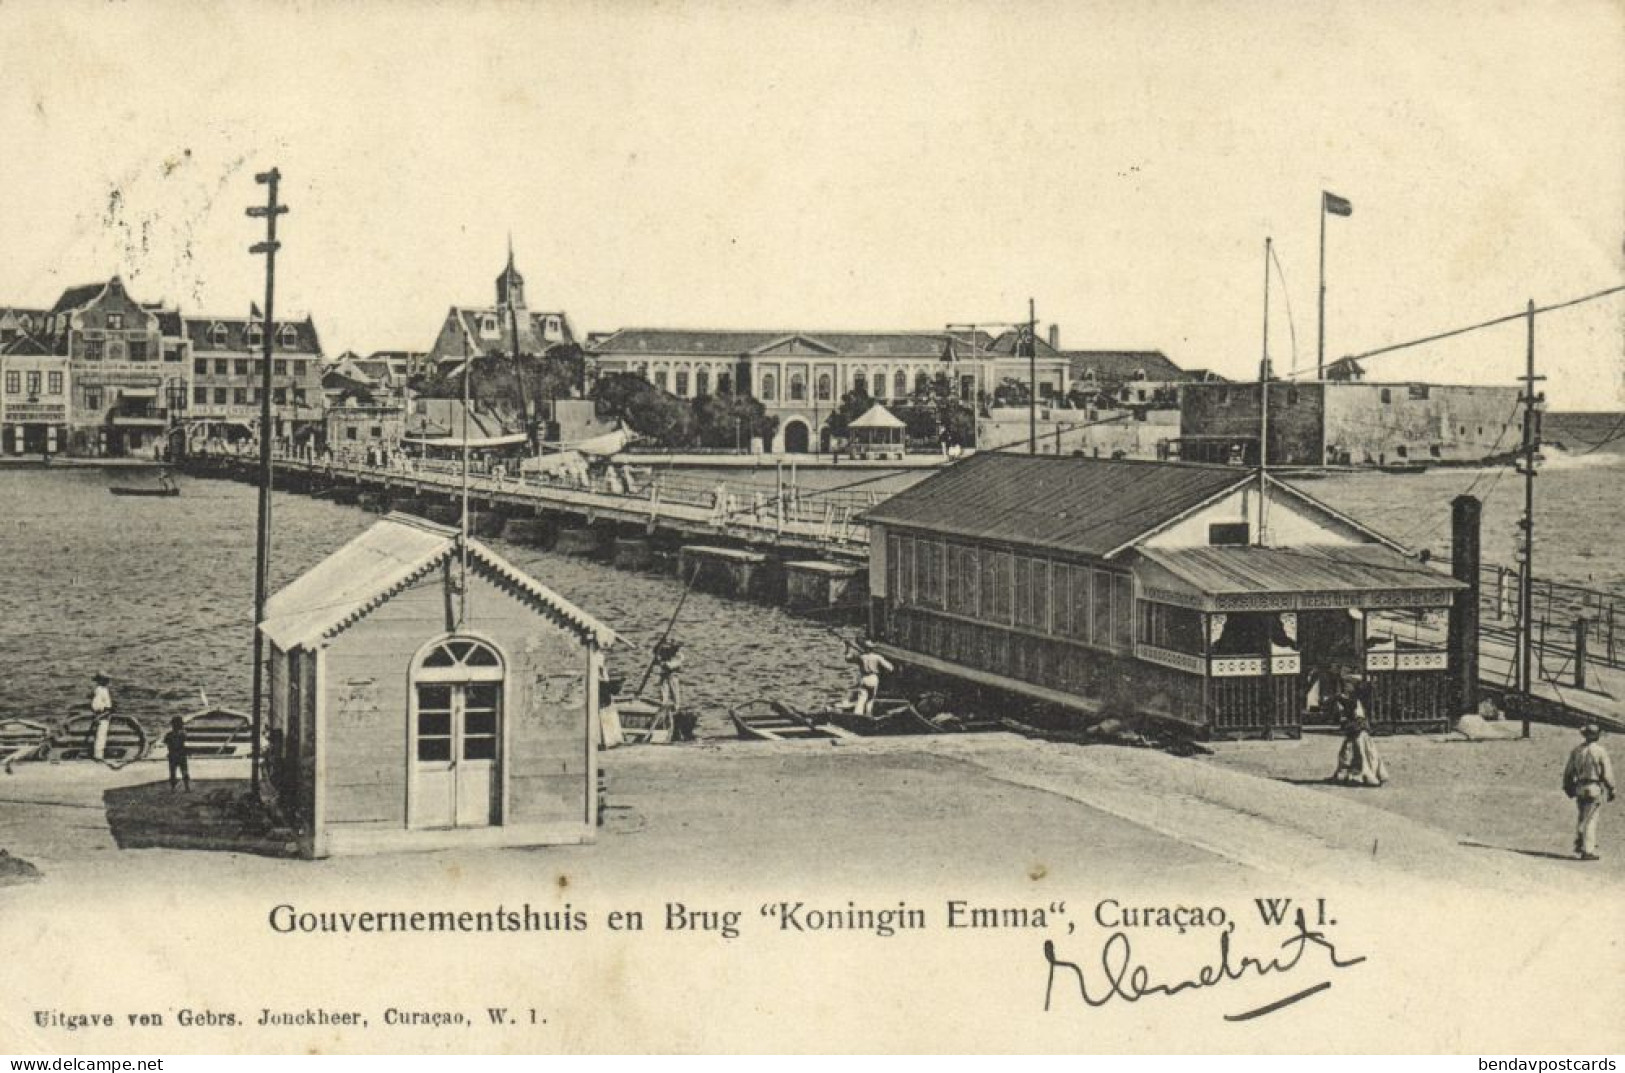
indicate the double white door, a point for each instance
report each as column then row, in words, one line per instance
column 457, row 755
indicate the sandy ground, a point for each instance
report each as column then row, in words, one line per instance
column 1496, row 797
column 985, row 808
column 147, row 893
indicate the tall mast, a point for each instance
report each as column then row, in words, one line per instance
column 1264, row 407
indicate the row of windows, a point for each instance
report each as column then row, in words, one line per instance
column 242, row 396
column 1000, row 586
column 678, row 383
column 248, row 366
column 287, row 337
column 490, row 327
column 122, row 350
column 14, row 382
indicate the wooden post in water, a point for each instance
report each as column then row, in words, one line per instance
column 1465, row 514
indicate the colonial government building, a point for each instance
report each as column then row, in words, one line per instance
column 800, row 376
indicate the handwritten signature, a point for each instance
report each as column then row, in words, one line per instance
column 1122, row 979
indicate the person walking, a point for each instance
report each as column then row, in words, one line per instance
column 175, row 743
column 1588, row 779
column 871, row 665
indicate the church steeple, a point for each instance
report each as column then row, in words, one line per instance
column 511, row 285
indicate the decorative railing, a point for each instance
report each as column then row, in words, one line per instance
column 1406, row 660
column 1238, row 667
column 1167, row 657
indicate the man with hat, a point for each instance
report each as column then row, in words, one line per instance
column 101, row 710
column 1588, row 778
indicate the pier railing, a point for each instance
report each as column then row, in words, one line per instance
column 744, row 509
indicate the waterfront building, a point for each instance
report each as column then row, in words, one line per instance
column 415, row 708
column 801, row 376
column 227, row 363
column 389, row 371
column 35, row 388
column 474, row 331
column 343, row 382
column 1174, row 590
column 128, row 366
column 1349, row 422
column 354, row 427
column 1128, row 377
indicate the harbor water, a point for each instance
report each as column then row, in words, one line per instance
column 158, row 593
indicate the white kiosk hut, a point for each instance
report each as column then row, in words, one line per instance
column 412, row 707
column 877, row 434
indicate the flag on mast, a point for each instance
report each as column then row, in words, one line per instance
column 1337, row 206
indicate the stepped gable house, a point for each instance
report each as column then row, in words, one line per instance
column 473, row 331
column 128, row 367
column 1177, row 590
column 410, row 710
column 801, row 376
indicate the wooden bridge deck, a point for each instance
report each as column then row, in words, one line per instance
column 809, row 521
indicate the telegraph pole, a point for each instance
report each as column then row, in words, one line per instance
column 1532, row 404
column 269, row 211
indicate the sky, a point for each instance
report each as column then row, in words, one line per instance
column 812, row 166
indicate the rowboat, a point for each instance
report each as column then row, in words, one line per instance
column 74, row 739
column 886, row 715
column 771, row 720
column 125, row 490
column 642, row 723
column 22, row 739
column 212, row 733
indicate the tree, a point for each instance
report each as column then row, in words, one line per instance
column 723, row 421
column 937, row 415
column 646, row 409
column 513, row 386
column 1011, row 392
column 854, row 404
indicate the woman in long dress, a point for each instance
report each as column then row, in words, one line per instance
column 1357, row 761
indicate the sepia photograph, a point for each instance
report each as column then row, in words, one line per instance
column 703, row 526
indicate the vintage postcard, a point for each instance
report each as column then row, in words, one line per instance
column 812, row 527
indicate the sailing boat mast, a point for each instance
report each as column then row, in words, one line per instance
column 1264, row 408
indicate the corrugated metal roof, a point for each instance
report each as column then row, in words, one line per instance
column 1086, row 505
column 1229, row 570
column 379, row 563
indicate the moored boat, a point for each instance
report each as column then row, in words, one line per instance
column 212, row 734
column 886, row 715
column 771, row 720
column 22, row 739
column 74, row 739
column 126, row 490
